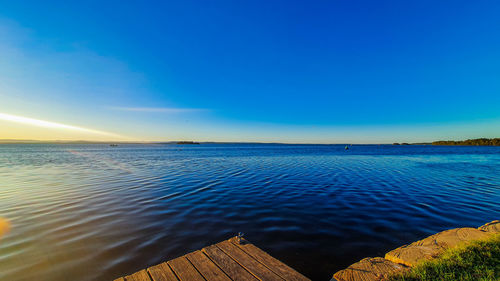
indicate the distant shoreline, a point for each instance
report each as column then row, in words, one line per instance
column 471, row 142
column 468, row 142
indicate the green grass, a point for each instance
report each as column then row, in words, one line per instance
column 479, row 260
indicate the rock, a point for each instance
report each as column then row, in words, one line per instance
column 434, row 245
column 493, row 227
column 453, row 237
column 413, row 254
column 368, row 269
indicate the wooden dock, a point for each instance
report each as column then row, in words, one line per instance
column 226, row 261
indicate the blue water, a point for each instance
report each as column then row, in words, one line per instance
column 95, row 212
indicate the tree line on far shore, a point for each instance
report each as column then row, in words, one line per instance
column 482, row 141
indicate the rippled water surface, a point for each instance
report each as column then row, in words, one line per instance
column 95, row 212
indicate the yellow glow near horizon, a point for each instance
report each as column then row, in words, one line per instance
column 52, row 125
column 4, row 226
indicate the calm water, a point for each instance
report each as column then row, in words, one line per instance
column 94, row 212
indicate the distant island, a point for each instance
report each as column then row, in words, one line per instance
column 187, row 142
column 482, row 141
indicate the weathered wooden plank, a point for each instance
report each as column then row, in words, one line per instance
column 138, row 276
column 225, row 261
column 162, row 272
column 206, row 267
column 275, row 265
column 185, row 270
column 227, row 264
column 248, row 262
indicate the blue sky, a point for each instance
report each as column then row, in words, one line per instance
column 289, row 71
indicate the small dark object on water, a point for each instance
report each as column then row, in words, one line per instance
column 346, row 147
column 113, row 144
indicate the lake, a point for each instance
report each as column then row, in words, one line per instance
column 94, row 212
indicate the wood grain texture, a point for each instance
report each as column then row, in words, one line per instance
column 225, row 261
column 138, row 276
column 248, row 262
column 207, row 268
column 162, row 272
column 227, row 264
column 275, row 265
column 185, row 270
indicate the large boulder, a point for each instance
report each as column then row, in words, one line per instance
column 453, row 237
column 492, row 227
column 434, row 245
column 368, row 269
column 413, row 254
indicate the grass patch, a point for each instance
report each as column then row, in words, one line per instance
column 479, row 260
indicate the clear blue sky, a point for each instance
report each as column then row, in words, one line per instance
column 291, row 71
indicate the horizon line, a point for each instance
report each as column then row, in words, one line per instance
column 26, row 141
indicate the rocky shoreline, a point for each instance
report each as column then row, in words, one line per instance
column 407, row 256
